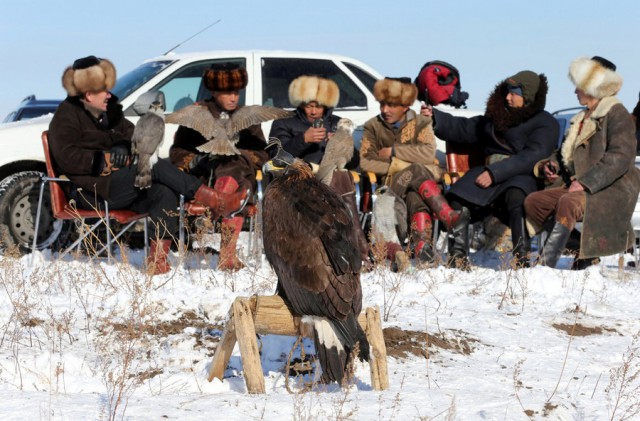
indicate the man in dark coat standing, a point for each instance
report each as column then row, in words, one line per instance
column 515, row 133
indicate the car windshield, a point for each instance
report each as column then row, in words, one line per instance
column 132, row 80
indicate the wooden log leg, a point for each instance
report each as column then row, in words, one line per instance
column 246, row 336
column 224, row 349
column 378, row 362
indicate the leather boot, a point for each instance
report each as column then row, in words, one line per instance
column 229, row 232
column 555, row 245
column 221, row 204
column 422, row 237
column 520, row 239
column 458, row 249
column 398, row 257
column 157, row 262
column 452, row 219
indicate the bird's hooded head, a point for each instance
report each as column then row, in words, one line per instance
column 283, row 162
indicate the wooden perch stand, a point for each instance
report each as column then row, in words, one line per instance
column 270, row 315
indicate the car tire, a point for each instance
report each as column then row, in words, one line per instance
column 19, row 195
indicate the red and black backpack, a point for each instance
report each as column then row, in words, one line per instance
column 438, row 82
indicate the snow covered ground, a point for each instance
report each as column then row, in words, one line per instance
column 84, row 339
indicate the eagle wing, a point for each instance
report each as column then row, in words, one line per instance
column 249, row 115
column 198, row 118
column 312, row 247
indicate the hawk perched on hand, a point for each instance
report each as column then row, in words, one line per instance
column 145, row 142
column 338, row 152
column 313, row 249
column 223, row 133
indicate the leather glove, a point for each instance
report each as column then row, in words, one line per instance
column 119, row 155
column 201, row 163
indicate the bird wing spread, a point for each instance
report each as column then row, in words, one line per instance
column 255, row 114
column 196, row 117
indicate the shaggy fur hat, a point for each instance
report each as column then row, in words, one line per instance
column 395, row 90
column 596, row 76
column 225, row 77
column 305, row 89
column 89, row 74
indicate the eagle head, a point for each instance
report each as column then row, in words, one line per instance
column 284, row 163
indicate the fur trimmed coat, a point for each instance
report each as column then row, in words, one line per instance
column 78, row 141
column 602, row 158
column 413, row 142
column 513, row 141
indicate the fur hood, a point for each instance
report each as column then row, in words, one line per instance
column 89, row 74
column 504, row 117
column 305, row 89
column 595, row 76
column 589, row 127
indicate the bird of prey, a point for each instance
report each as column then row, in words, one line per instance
column 222, row 133
column 312, row 246
column 338, row 152
column 145, row 142
column 390, row 216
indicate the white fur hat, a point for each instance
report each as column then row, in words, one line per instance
column 305, row 89
column 596, row 76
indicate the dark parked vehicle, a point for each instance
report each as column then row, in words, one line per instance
column 30, row 107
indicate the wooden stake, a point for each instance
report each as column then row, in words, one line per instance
column 246, row 335
column 378, row 362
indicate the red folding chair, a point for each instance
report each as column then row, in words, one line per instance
column 62, row 209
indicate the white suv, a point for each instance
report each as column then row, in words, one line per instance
column 178, row 76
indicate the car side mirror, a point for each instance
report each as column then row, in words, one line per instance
column 144, row 101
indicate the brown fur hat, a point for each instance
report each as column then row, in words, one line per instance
column 596, row 76
column 305, row 89
column 225, row 77
column 395, row 90
column 89, row 74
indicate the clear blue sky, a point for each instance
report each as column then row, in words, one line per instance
column 486, row 40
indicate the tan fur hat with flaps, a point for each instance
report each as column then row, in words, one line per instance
column 395, row 90
column 225, row 77
column 89, row 74
column 596, row 76
column 305, row 89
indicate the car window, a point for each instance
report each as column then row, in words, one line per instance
column 277, row 74
column 137, row 77
column 185, row 86
column 9, row 118
column 367, row 79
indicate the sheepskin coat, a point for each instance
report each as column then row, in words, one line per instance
column 513, row 141
column 78, row 141
column 412, row 141
column 601, row 157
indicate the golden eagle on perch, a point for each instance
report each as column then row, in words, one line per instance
column 311, row 243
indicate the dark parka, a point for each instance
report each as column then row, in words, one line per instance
column 602, row 159
column 78, row 141
column 241, row 167
column 513, row 141
column 291, row 131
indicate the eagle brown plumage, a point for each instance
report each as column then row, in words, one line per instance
column 311, row 243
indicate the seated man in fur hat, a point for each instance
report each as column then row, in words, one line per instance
column 399, row 146
column 90, row 143
column 594, row 169
column 307, row 134
column 228, row 173
column 515, row 132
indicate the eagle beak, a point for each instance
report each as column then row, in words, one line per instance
column 271, row 167
column 282, row 158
